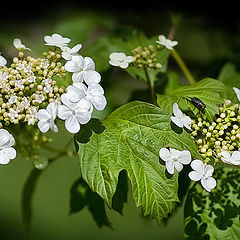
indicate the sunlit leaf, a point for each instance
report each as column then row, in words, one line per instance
column 207, row 90
column 133, row 135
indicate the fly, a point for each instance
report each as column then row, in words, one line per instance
column 197, row 103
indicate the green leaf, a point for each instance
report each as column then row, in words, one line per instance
column 207, row 90
column 231, row 78
column 27, row 196
column 133, row 135
column 214, row 215
column 81, row 196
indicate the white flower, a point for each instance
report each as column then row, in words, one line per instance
column 169, row 44
column 227, row 158
column 56, row 40
column 74, row 113
column 179, row 118
column 67, row 52
column 83, row 70
column 17, row 43
column 119, row 59
column 46, row 118
column 94, row 94
column 174, row 158
column 203, row 173
column 3, row 61
column 7, row 152
column 237, row 91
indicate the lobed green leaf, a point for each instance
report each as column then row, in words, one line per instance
column 133, row 135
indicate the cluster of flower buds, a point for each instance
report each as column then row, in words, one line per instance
column 145, row 57
column 222, row 135
column 31, row 89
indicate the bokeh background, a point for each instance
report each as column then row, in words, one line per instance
column 208, row 37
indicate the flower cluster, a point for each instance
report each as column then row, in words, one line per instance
column 175, row 159
column 31, row 89
column 219, row 139
column 143, row 57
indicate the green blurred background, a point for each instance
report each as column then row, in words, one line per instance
column 208, row 38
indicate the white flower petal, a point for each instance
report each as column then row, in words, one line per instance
column 3, row 61
column 52, row 108
column 77, row 77
column 178, row 166
column 208, row 171
column 195, row 176
column 11, row 152
column 170, row 166
column 43, row 126
column 184, row 157
column 91, row 76
column 186, row 122
column 165, row 154
column 67, row 56
column 72, row 125
column 4, row 137
column 208, row 183
column 198, row 166
column 174, row 153
column 88, row 64
column 237, row 91
column 235, row 159
column 177, row 121
column 71, row 66
column 123, row 65
column 64, row 112
column 43, row 114
column 99, row 102
column 176, row 111
column 4, row 159
column 75, row 49
column 74, row 94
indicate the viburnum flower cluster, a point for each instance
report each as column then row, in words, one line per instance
column 175, row 159
column 217, row 141
column 33, row 90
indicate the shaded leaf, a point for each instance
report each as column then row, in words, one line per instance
column 214, row 215
column 81, row 196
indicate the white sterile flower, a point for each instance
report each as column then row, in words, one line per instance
column 203, row 173
column 7, row 152
column 237, row 91
column 174, row 159
column 47, row 116
column 119, row 59
column 67, row 52
column 74, row 113
column 83, row 69
column 169, row 44
column 179, row 118
column 3, row 61
column 56, row 40
column 233, row 159
column 94, row 94
column 17, row 43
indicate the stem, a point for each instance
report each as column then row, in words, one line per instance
column 183, row 67
column 151, row 87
